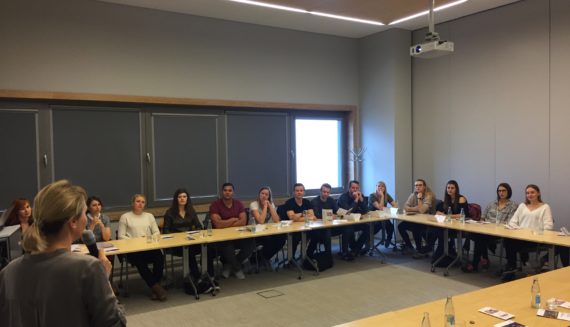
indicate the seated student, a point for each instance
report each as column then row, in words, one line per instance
column 325, row 201
column 99, row 223
column 20, row 213
column 229, row 212
column 457, row 202
column 295, row 207
column 181, row 217
column 420, row 201
column 137, row 223
column 50, row 285
column 354, row 200
column 532, row 214
column 263, row 211
column 502, row 209
column 378, row 201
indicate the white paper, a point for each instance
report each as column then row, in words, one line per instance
column 327, row 214
column 496, row 313
column 440, row 218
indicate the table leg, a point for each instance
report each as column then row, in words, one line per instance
column 290, row 258
column 304, row 252
column 204, row 268
column 553, row 262
column 459, row 249
column 445, row 249
column 372, row 246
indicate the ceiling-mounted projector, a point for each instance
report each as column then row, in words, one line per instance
column 431, row 49
column 432, row 46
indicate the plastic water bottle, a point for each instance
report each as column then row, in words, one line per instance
column 449, row 313
column 535, row 294
column 540, row 229
column 425, row 320
column 448, row 217
column 149, row 235
column 209, row 228
column 462, row 216
column 253, row 223
column 306, row 218
column 498, row 218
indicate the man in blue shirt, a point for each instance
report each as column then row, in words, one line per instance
column 354, row 200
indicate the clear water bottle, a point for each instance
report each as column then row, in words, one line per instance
column 540, row 227
column 535, row 294
column 209, row 228
column 425, row 320
column 498, row 218
column 306, row 218
column 449, row 313
column 462, row 216
column 253, row 223
column 448, row 217
column 149, row 235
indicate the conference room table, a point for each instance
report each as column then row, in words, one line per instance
column 202, row 239
column 513, row 297
column 548, row 238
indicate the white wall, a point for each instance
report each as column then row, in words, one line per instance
column 496, row 110
column 385, row 111
column 94, row 47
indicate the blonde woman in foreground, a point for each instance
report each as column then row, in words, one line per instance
column 50, row 285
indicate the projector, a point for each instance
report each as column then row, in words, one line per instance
column 431, row 49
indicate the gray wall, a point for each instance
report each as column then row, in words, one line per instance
column 497, row 109
column 88, row 46
column 385, row 111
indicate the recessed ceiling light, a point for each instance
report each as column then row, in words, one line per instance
column 269, row 5
column 451, row 4
column 352, row 19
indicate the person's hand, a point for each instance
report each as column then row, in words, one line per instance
column 265, row 203
column 420, row 196
column 105, row 262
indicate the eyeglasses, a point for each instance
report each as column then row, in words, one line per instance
column 416, row 185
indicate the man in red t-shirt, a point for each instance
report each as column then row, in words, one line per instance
column 228, row 212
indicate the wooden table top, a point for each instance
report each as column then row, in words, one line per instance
column 513, row 297
column 549, row 237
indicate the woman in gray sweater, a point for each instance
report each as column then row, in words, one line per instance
column 50, row 285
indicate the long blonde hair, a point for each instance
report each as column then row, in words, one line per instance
column 54, row 206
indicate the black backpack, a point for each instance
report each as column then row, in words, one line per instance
column 323, row 259
column 201, row 286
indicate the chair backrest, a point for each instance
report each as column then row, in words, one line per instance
column 474, row 211
column 281, row 212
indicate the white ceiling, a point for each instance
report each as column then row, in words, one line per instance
column 227, row 10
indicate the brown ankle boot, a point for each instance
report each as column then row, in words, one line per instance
column 159, row 292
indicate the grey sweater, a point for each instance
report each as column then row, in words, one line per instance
column 59, row 288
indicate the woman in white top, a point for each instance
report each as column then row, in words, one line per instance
column 138, row 223
column 263, row 211
column 532, row 214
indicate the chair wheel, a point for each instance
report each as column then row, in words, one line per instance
column 446, row 273
column 432, row 269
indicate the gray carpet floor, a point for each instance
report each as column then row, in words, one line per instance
column 348, row 291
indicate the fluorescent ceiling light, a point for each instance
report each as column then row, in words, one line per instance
column 358, row 20
column 268, row 5
column 451, row 4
